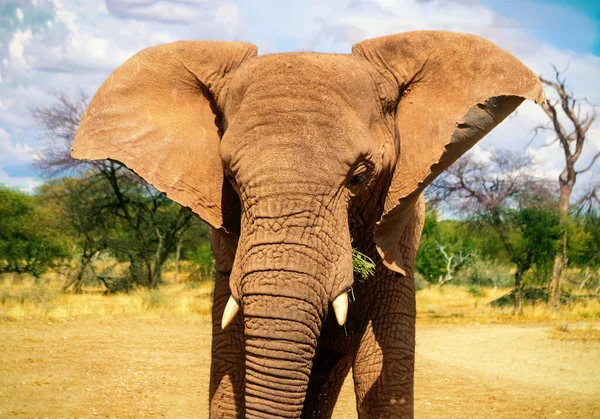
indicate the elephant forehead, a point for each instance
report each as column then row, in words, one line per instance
column 327, row 83
column 301, row 110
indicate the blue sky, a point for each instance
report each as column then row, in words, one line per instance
column 49, row 46
column 566, row 24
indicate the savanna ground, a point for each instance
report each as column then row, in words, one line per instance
column 146, row 354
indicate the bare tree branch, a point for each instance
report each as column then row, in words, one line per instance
column 590, row 199
column 453, row 261
column 155, row 224
column 507, row 180
column 571, row 107
column 590, row 165
column 575, row 135
column 59, row 121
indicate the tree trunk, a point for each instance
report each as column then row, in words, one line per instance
column 159, row 261
column 518, row 309
column 561, row 255
column 77, row 283
column 177, row 255
column 156, row 275
column 586, row 278
column 557, row 271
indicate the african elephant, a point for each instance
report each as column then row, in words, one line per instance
column 293, row 159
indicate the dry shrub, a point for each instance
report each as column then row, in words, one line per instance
column 456, row 304
column 564, row 331
column 29, row 299
column 44, row 300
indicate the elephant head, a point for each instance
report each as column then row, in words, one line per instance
column 278, row 150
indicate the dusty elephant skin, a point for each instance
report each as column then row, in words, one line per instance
column 288, row 157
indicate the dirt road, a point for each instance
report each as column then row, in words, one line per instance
column 159, row 368
column 505, row 371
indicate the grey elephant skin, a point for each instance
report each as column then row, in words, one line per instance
column 293, row 159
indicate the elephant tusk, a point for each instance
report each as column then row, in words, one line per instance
column 340, row 306
column 229, row 313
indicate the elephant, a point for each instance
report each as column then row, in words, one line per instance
column 294, row 159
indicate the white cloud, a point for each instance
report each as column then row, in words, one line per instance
column 481, row 155
column 17, row 45
column 58, row 45
column 24, row 183
column 549, row 160
column 13, row 154
column 168, row 11
column 15, row 102
column 594, row 138
column 20, row 15
column 63, row 45
column 84, row 39
column 66, row 16
column 228, row 17
column 367, row 19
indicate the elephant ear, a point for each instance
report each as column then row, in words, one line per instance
column 156, row 114
column 452, row 90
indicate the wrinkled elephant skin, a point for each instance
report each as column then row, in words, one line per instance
column 293, row 159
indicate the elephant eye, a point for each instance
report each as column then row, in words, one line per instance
column 360, row 174
column 357, row 179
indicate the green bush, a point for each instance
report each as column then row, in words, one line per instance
column 202, row 259
column 430, row 262
column 30, row 241
column 476, row 291
column 487, row 273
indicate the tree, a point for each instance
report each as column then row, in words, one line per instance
column 571, row 128
column 147, row 225
column 196, row 249
column 29, row 242
column 85, row 217
column 443, row 250
column 504, row 195
column 454, row 261
column 583, row 245
column 429, row 262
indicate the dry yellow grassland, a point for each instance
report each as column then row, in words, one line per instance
column 147, row 354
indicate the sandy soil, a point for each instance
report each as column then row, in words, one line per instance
column 133, row 368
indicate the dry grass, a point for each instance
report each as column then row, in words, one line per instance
column 454, row 304
column 28, row 299
column 72, row 355
column 566, row 332
column 24, row 298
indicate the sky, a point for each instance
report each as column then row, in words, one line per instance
column 53, row 46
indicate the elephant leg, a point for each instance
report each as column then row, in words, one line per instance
column 383, row 367
column 384, row 362
column 327, row 376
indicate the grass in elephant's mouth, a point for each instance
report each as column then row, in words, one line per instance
column 23, row 298
column 362, row 265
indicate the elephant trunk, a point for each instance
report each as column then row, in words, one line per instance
column 287, row 270
column 281, row 331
